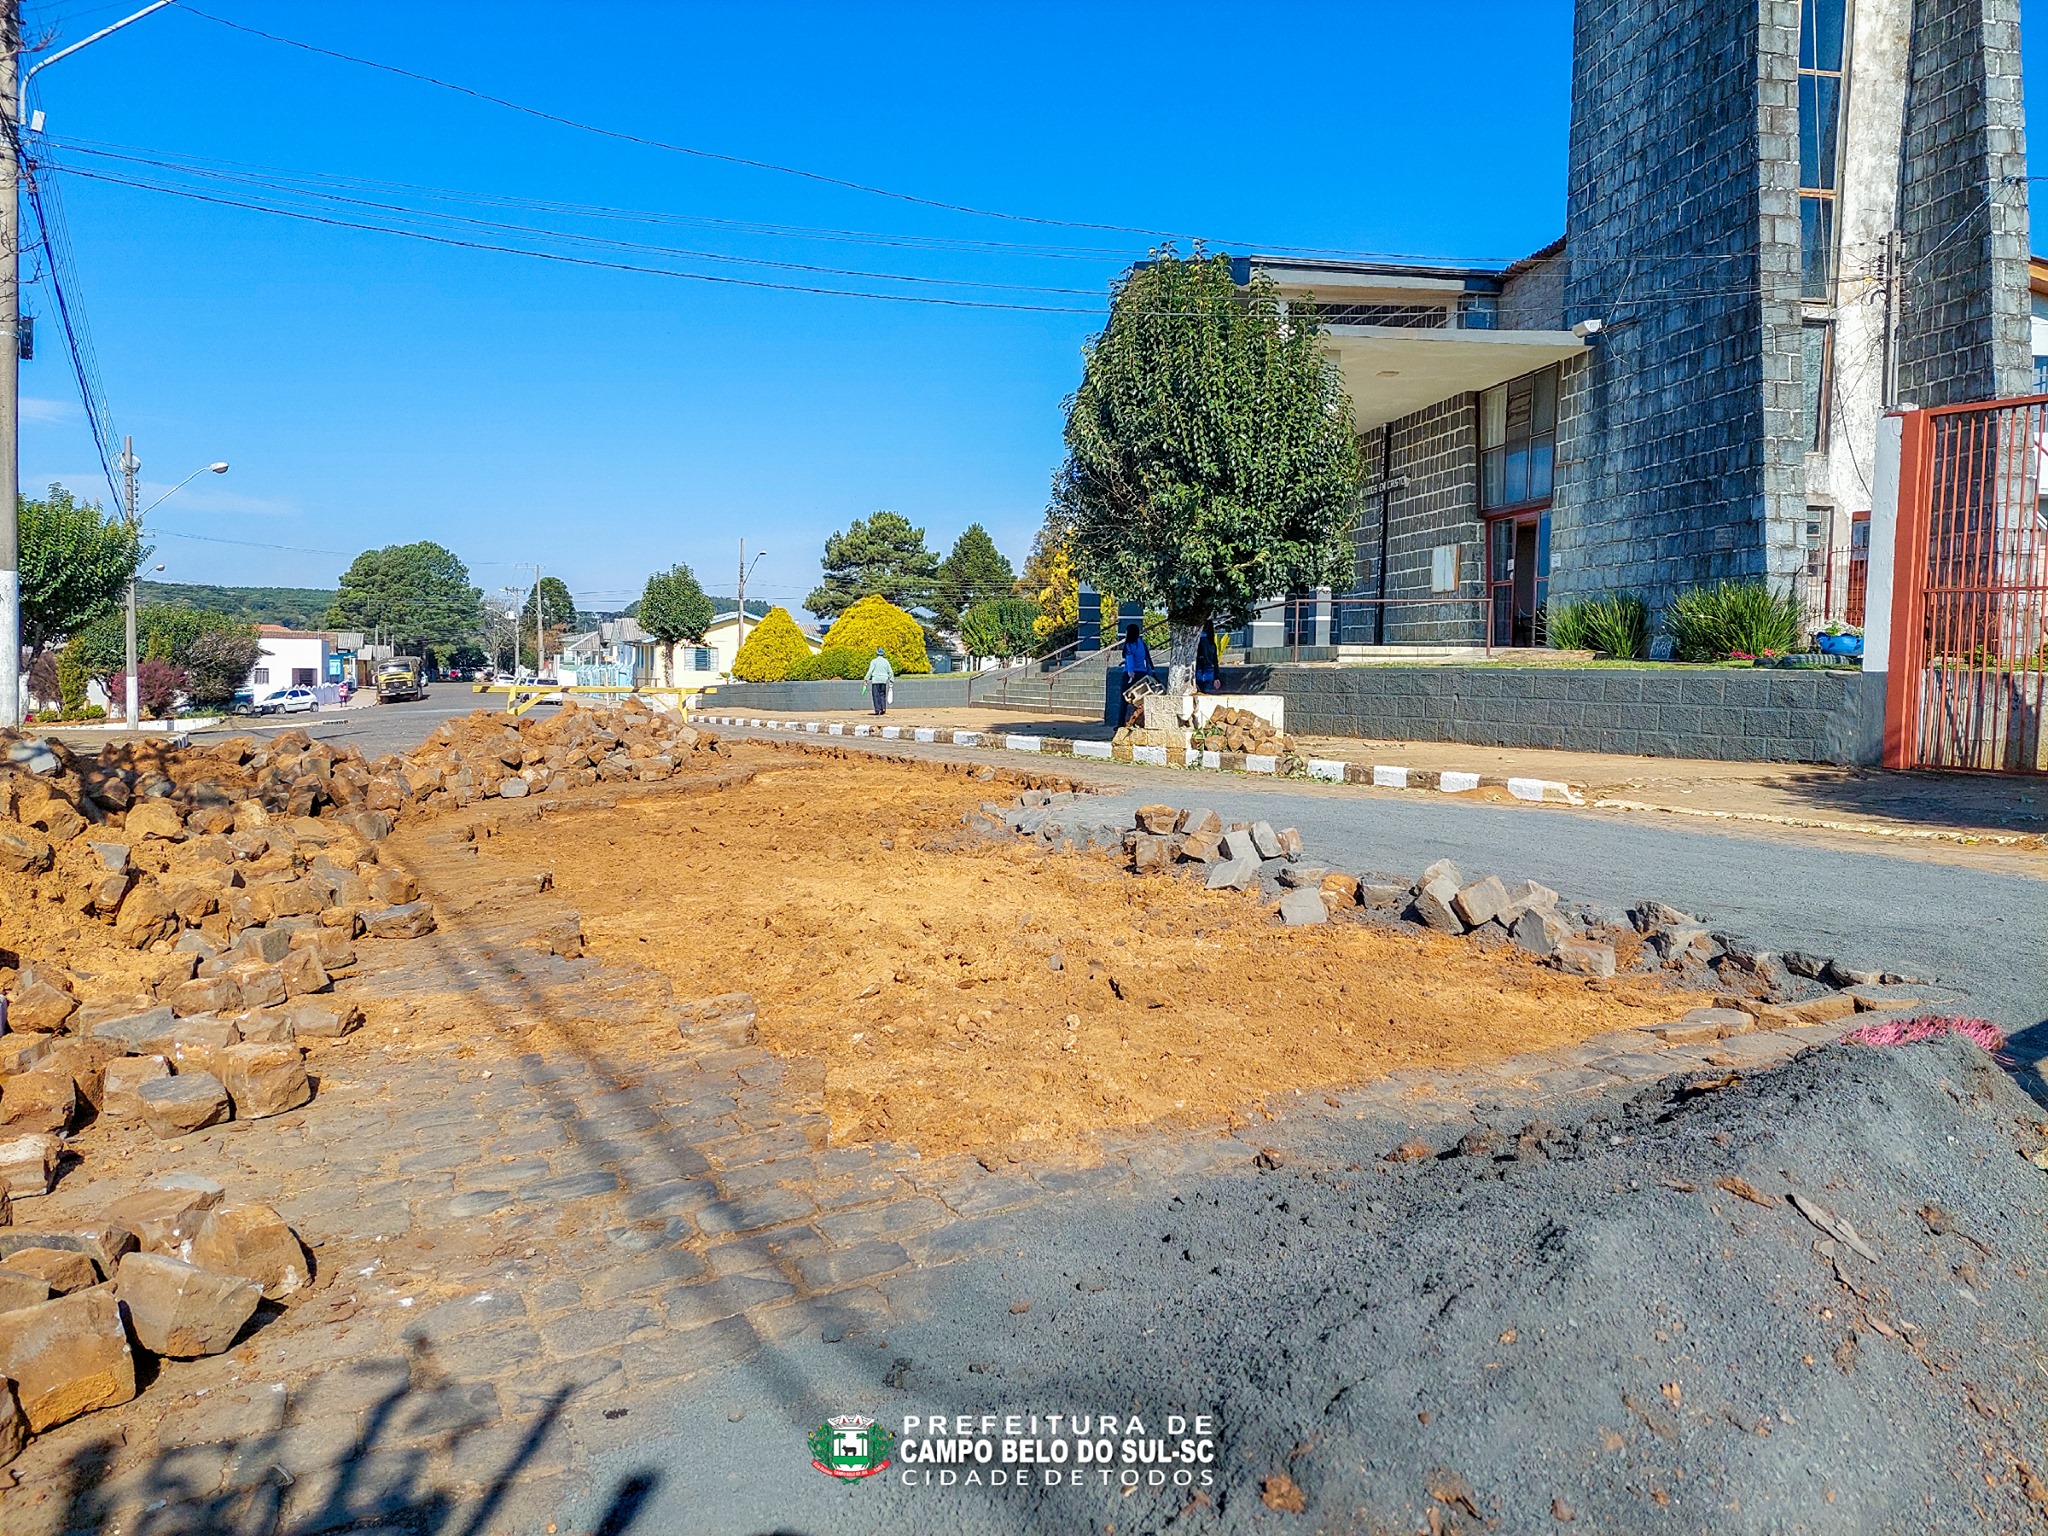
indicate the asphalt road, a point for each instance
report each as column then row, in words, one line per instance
column 1980, row 931
column 373, row 729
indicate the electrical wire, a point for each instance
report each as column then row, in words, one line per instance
column 47, row 205
column 592, row 241
column 651, row 143
column 565, row 258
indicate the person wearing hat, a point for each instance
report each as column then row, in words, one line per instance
column 880, row 675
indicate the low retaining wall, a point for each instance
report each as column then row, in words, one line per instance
column 1750, row 715
column 945, row 690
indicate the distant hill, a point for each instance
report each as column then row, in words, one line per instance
column 298, row 607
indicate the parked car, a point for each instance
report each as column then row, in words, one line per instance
column 289, row 701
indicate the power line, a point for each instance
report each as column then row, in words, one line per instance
column 660, row 144
column 598, row 241
column 567, row 258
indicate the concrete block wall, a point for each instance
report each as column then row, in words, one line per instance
column 1757, row 715
column 1532, row 294
column 1964, row 323
column 1682, row 466
column 1438, row 450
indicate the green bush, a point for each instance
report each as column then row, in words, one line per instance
column 875, row 621
column 72, row 677
column 774, row 647
column 1733, row 618
column 1618, row 626
column 830, row 663
column 1000, row 626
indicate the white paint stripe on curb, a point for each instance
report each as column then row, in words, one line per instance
column 1543, row 789
column 1327, row 769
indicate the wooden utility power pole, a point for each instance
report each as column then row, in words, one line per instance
column 10, row 365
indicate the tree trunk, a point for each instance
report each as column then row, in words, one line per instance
column 1180, row 675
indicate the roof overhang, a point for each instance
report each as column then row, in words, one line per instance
column 1391, row 371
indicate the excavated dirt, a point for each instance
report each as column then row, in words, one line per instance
column 965, row 993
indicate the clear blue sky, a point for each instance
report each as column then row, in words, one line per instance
column 370, row 389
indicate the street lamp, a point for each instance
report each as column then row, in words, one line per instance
column 129, row 495
column 746, row 570
column 14, row 83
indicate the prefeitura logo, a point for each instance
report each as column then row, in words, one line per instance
column 851, row 1446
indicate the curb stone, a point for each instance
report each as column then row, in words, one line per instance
column 1328, row 770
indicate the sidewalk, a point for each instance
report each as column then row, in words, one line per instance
column 2006, row 811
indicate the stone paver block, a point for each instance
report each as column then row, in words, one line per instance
column 181, row 1310
column 251, row 1240
column 693, row 1306
column 67, row 1357
column 263, row 1080
column 28, row 1165
column 61, row 1270
column 125, row 1074
column 165, row 1220
column 44, row 1099
column 1303, row 908
column 846, row 1266
column 177, row 1106
column 579, row 1332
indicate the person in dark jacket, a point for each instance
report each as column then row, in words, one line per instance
column 1137, row 664
column 1207, row 671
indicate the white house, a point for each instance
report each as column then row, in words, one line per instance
column 699, row 666
column 291, row 658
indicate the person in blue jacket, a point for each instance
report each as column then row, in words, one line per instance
column 1137, row 663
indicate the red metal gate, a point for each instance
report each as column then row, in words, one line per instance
column 1969, row 649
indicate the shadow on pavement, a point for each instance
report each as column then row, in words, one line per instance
column 2010, row 804
column 423, row 1450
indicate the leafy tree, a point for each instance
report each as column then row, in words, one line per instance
column 1059, row 600
column 1000, row 626
column 468, row 656
column 157, row 686
column 673, row 607
column 774, row 648
column 832, row 664
column 557, row 607
column 974, row 572
column 879, row 556
column 418, row 593
column 875, row 621
column 75, row 566
column 1210, row 458
column 218, row 662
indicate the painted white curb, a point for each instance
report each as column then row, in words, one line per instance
column 1327, row 770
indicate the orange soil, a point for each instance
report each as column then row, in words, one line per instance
column 915, row 962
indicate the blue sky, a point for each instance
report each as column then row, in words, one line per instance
column 371, row 389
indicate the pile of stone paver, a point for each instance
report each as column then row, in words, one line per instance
column 1751, row 986
column 238, row 877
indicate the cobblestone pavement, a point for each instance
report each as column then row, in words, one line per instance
column 534, row 1252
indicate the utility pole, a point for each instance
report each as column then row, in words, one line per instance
column 10, row 367
column 745, row 570
column 1894, row 275
column 130, row 467
column 540, row 644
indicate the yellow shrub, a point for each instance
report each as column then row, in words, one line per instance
column 875, row 621
column 774, row 648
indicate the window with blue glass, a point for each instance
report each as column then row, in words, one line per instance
column 1821, row 24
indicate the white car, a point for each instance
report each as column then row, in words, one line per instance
column 289, row 701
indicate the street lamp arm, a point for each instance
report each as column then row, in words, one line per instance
column 217, row 469
column 21, row 100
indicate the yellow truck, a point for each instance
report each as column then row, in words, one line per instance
column 400, row 679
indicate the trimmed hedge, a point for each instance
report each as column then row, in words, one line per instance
column 875, row 621
column 774, row 649
column 834, row 662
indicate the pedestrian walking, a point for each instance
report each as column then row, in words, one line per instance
column 880, row 675
column 1207, row 670
column 1137, row 664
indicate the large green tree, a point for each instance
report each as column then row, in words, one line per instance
column 673, row 607
column 1210, row 458
column 76, row 563
column 557, row 608
column 973, row 573
column 419, row 594
column 878, row 556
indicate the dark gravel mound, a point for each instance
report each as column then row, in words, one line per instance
column 1621, row 1324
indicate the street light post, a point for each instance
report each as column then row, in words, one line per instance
column 745, row 571
column 13, row 104
column 130, row 495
